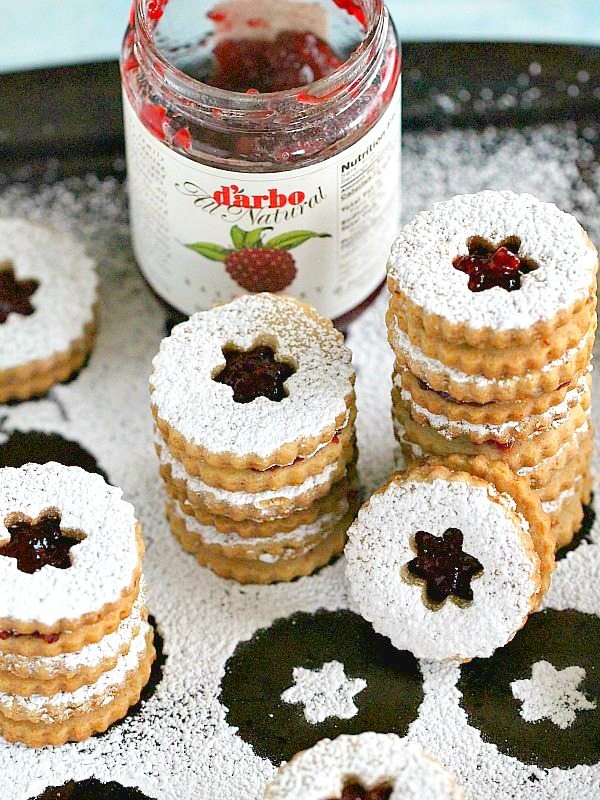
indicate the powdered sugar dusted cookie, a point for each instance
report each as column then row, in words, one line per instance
column 448, row 561
column 255, row 383
column 371, row 766
column 70, row 552
column 493, row 268
column 48, row 288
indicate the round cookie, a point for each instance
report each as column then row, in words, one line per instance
column 70, row 556
column 449, row 559
column 258, row 382
column 370, row 766
column 48, row 297
column 548, row 261
column 506, row 432
column 66, row 672
column 479, row 389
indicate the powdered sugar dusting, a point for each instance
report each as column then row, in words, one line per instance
column 204, row 412
column 380, row 546
column 421, row 261
column 552, row 694
column 64, row 300
column 421, row 363
column 92, row 655
column 102, row 565
column 63, row 705
column 256, row 499
column 325, row 692
column 181, row 740
column 371, row 759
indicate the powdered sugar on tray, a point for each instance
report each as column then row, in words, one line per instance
column 180, row 745
column 324, row 693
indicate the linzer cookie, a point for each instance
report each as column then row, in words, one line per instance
column 492, row 322
column 48, row 300
column 253, row 384
column 75, row 647
column 494, row 269
column 449, row 559
column 370, row 766
column 254, row 409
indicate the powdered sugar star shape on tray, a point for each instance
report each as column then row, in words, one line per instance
column 552, row 694
column 326, row 692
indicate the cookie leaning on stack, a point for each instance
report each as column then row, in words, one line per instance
column 254, row 409
column 492, row 321
column 75, row 647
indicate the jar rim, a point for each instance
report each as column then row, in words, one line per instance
column 319, row 92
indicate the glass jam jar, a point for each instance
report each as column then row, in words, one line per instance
column 263, row 148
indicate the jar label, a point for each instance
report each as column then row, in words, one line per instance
column 323, row 232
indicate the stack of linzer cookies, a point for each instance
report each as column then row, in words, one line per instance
column 258, row 489
column 492, row 322
column 75, row 645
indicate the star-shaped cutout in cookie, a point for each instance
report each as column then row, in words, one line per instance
column 254, row 373
column 37, row 544
column 325, row 692
column 15, row 294
column 552, row 694
column 443, row 566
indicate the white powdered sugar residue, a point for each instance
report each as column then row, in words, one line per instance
column 372, row 759
column 377, row 555
column 421, row 262
column 208, row 534
column 421, row 364
column 92, row 655
column 255, row 499
column 579, row 433
column 62, row 705
column 552, row 694
column 326, row 692
column 180, row 745
column 64, row 300
column 552, row 506
column 203, row 411
column 453, row 428
column 103, row 564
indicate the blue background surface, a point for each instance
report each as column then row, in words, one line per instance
column 36, row 33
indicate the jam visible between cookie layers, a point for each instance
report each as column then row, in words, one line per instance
column 443, row 566
column 445, row 396
column 254, row 373
column 354, row 791
column 38, row 544
column 15, row 294
column 291, row 60
column 488, row 266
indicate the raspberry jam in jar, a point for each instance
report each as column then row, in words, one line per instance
column 263, row 148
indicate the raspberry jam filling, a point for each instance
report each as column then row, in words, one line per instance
column 255, row 373
column 355, row 791
column 291, row 60
column 39, row 544
column 15, row 294
column 488, row 266
column 443, row 566
column 49, row 638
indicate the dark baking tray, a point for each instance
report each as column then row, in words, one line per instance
column 49, row 130
column 58, row 131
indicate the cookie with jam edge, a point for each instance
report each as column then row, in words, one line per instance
column 253, row 384
column 48, row 308
column 492, row 270
column 459, row 585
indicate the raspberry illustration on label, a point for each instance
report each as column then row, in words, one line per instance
column 255, row 265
